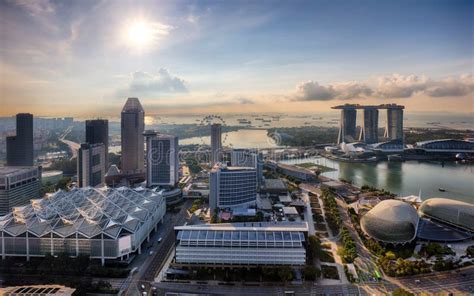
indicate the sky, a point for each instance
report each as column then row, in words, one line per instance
column 84, row 58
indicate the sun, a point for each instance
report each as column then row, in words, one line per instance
column 139, row 34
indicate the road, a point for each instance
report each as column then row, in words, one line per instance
column 73, row 146
column 150, row 265
column 458, row 283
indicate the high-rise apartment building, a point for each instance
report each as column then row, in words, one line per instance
column 216, row 143
column 91, row 165
column 17, row 186
column 248, row 158
column 133, row 147
column 97, row 131
column 20, row 147
column 161, row 159
column 232, row 187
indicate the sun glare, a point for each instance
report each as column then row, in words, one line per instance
column 140, row 34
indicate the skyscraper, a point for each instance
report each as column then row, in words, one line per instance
column 97, row 131
column 20, row 147
column 216, row 143
column 161, row 159
column 370, row 126
column 132, row 127
column 347, row 128
column 394, row 127
column 91, row 165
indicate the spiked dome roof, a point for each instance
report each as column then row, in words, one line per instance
column 86, row 211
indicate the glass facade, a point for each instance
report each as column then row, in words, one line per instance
column 242, row 244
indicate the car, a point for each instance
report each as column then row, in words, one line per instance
column 143, row 287
column 151, row 253
column 159, row 240
column 417, row 281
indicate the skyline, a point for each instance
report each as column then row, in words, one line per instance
column 189, row 57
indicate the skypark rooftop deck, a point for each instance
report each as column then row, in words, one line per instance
column 357, row 106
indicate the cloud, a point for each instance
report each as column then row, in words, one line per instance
column 452, row 87
column 36, row 7
column 245, row 101
column 386, row 87
column 159, row 82
column 399, row 86
column 313, row 91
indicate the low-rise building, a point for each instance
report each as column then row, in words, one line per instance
column 242, row 244
column 37, row 290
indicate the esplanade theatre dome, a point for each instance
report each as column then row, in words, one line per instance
column 458, row 213
column 391, row 221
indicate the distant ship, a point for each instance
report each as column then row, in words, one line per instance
column 244, row 121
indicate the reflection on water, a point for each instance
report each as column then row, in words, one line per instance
column 406, row 178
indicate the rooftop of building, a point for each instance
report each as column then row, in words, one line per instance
column 255, row 226
column 358, row 106
column 224, row 167
column 51, row 173
column 290, row 211
column 275, row 184
column 421, row 143
column 132, row 105
column 86, row 211
column 294, row 168
column 37, row 290
column 6, row 171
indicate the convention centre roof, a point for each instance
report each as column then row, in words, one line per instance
column 86, row 211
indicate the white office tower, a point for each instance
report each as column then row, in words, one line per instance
column 91, row 165
column 248, row 158
column 161, row 159
column 232, row 187
column 216, row 143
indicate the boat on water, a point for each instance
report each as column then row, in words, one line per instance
column 442, row 189
column 244, row 121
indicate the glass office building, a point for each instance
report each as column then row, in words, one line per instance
column 249, row 244
column 232, row 187
column 101, row 223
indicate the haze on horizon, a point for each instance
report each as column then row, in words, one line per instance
column 84, row 58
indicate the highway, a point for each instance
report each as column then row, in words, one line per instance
column 73, row 146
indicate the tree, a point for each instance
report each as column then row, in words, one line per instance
column 285, row 273
column 63, row 183
column 310, row 273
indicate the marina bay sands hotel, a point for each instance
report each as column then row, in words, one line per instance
column 370, row 124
